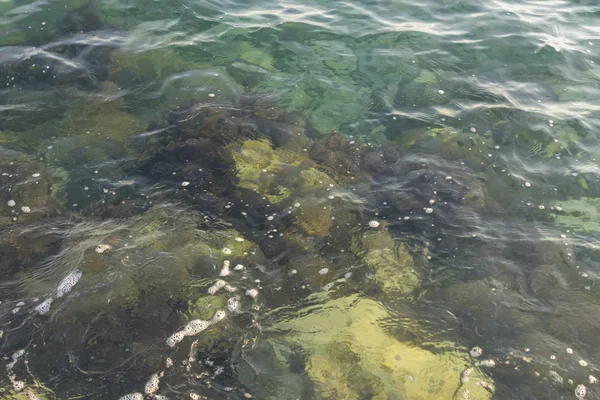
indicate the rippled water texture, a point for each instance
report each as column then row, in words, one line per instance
column 321, row 200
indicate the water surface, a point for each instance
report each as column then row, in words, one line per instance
column 327, row 200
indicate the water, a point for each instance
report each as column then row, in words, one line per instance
column 326, row 200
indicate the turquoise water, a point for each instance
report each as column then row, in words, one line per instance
column 327, row 200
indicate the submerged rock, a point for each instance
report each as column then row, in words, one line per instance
column 351, row 354
column 392, row 264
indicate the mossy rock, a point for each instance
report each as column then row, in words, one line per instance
column 391, row 263
column 580, row 214
column 351, row 355
column 334, row 109
column 335, row 55
column 275, row 174
column 256, row 56
column 314, row 215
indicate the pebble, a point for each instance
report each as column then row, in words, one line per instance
column 440, row 91
column 44, row 306
column 373, row 224
column 428, row 210
column 527, row 184
column 11, row 203
column 252, row 293
column 26, row 209
column 239, row 239
column 592, row 379
column 476, row 352
column 67, row 283
column 473, row 130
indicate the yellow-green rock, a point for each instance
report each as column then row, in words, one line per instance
column 392, row 264
column 351, row 355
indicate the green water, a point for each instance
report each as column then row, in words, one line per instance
column 323, row 200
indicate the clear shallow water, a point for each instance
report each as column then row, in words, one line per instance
column 163, row 133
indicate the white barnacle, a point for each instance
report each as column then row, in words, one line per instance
column 476, row 352
column 226, row 251
column 580, row 391
column 233, row 304
column 195, row 326
column 428, row 210
column 194, row 396
column 230, row 288
column 168, row 363
column 323, row 271
column 18, row 385
column 152, row 384
column 592, row 379
column 225, row 270
column 219, row 316
column 25, row 209
column 68, row 282
column 133, row 396
column 101, row 248
column 486, row 363
column 238, row 267
column 11, row 203
column 252, row 293
column 185, row 183
column 175, row 338
column 44, row 306
column 217, row 286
